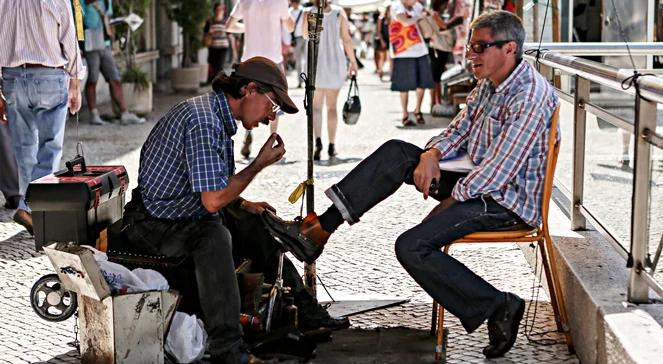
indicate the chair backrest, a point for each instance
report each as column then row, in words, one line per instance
column 551, row 163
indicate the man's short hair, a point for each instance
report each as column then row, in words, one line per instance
column 503, row 25
column 232, row 85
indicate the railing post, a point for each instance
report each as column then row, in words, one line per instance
column 645, row 118
column 578, row 221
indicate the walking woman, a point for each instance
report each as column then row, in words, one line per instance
column 382, row 42
column 215, row 28
column 412, row 69
column 333, row 69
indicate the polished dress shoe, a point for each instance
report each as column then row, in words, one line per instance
column 503, row 326
column 304, row 238
column 24, row 218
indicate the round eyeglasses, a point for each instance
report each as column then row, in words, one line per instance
column 275, row 107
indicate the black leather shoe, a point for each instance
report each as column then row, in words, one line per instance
column 305, row 238
column 503, row 326
column 314, row 316
column 24, row 218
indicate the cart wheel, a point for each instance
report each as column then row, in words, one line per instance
column 51, row 301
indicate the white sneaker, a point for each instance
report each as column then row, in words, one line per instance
column 131, row 118
column 95, row 119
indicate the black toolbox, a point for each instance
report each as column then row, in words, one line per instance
column 77, row 203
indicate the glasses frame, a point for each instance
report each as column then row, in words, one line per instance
column 483, row 46
column 275, row 107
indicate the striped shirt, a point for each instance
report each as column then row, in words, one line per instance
column 505, row 131
column 39, row 32
column 189, row 151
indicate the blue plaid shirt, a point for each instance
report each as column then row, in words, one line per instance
column 505, row 131
column 189, row 151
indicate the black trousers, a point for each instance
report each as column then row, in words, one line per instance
column 209, row 243
column 462, row 292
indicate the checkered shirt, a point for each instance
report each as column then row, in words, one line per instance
column 505, row 131
column 189, row 151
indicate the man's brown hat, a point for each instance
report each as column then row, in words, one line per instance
column 263, row 70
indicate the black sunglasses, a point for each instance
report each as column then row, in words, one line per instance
column 480, row 47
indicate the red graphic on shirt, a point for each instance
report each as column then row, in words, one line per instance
column 403, row 36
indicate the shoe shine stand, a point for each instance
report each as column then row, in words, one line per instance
column 353, row 303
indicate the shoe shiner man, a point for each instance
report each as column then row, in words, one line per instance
column 505, row 129
column 186, row 178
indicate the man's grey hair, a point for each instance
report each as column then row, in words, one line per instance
column 503, row 25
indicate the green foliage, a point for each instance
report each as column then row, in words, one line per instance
column 135, row 75
column 190, row 15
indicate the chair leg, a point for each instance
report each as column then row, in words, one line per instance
column 433, row 321
column 440, row 347
column 440, row 344
column 558, row 290
column 551, row 286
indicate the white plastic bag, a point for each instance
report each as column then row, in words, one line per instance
column 187, row 339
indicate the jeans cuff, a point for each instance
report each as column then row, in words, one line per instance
column 22, row 205
column 338, row 199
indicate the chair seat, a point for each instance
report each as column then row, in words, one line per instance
column 499, row 235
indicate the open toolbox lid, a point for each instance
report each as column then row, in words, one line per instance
column 78, row 270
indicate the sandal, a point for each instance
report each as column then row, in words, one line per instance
column 407, row 122
column 419, row 117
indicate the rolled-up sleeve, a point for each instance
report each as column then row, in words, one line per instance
column 455, row 135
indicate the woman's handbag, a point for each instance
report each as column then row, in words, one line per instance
column 352, row 106
column 207, row 40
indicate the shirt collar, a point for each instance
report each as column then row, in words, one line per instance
column 515, row 75
column 225, row 114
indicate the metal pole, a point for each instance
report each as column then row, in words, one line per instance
column 578, row 221
column 645, row 118
column 314, row 31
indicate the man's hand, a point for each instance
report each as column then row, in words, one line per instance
column 270, row 153
column 256, row 208
column 3, row 113
column 444, row 204
column 427, row 170
column 74, row 95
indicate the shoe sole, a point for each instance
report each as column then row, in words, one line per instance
column 288, row 243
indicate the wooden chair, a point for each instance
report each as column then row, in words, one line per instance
column 540, row 234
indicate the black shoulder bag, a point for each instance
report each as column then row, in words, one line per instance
column 352, row 106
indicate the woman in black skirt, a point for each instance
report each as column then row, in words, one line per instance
column 218, row 49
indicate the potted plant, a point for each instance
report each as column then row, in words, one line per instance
column 136, row 84
column 190, row 15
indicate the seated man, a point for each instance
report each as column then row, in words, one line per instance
column 187, row 175
column 505, row 129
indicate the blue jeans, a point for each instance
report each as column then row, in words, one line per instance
column 462, row 292
column 36, row 113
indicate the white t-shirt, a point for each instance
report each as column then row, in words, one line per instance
column 262, row 27
column 294, row 13
column 416, row 50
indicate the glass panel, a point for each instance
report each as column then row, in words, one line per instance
column 656, row 199
column 564, row 170
column 608, row 173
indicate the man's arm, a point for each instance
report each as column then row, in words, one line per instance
column 270, row 153
column 74, row 67
column 508, row 152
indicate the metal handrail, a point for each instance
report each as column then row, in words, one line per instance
column 643, row 128
column 601, row 48
column 651, row 87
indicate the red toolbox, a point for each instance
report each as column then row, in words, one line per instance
column 77, row 203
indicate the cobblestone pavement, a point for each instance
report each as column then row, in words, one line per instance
column 359, row 259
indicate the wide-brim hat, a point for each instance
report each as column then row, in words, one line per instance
column 265, row 71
